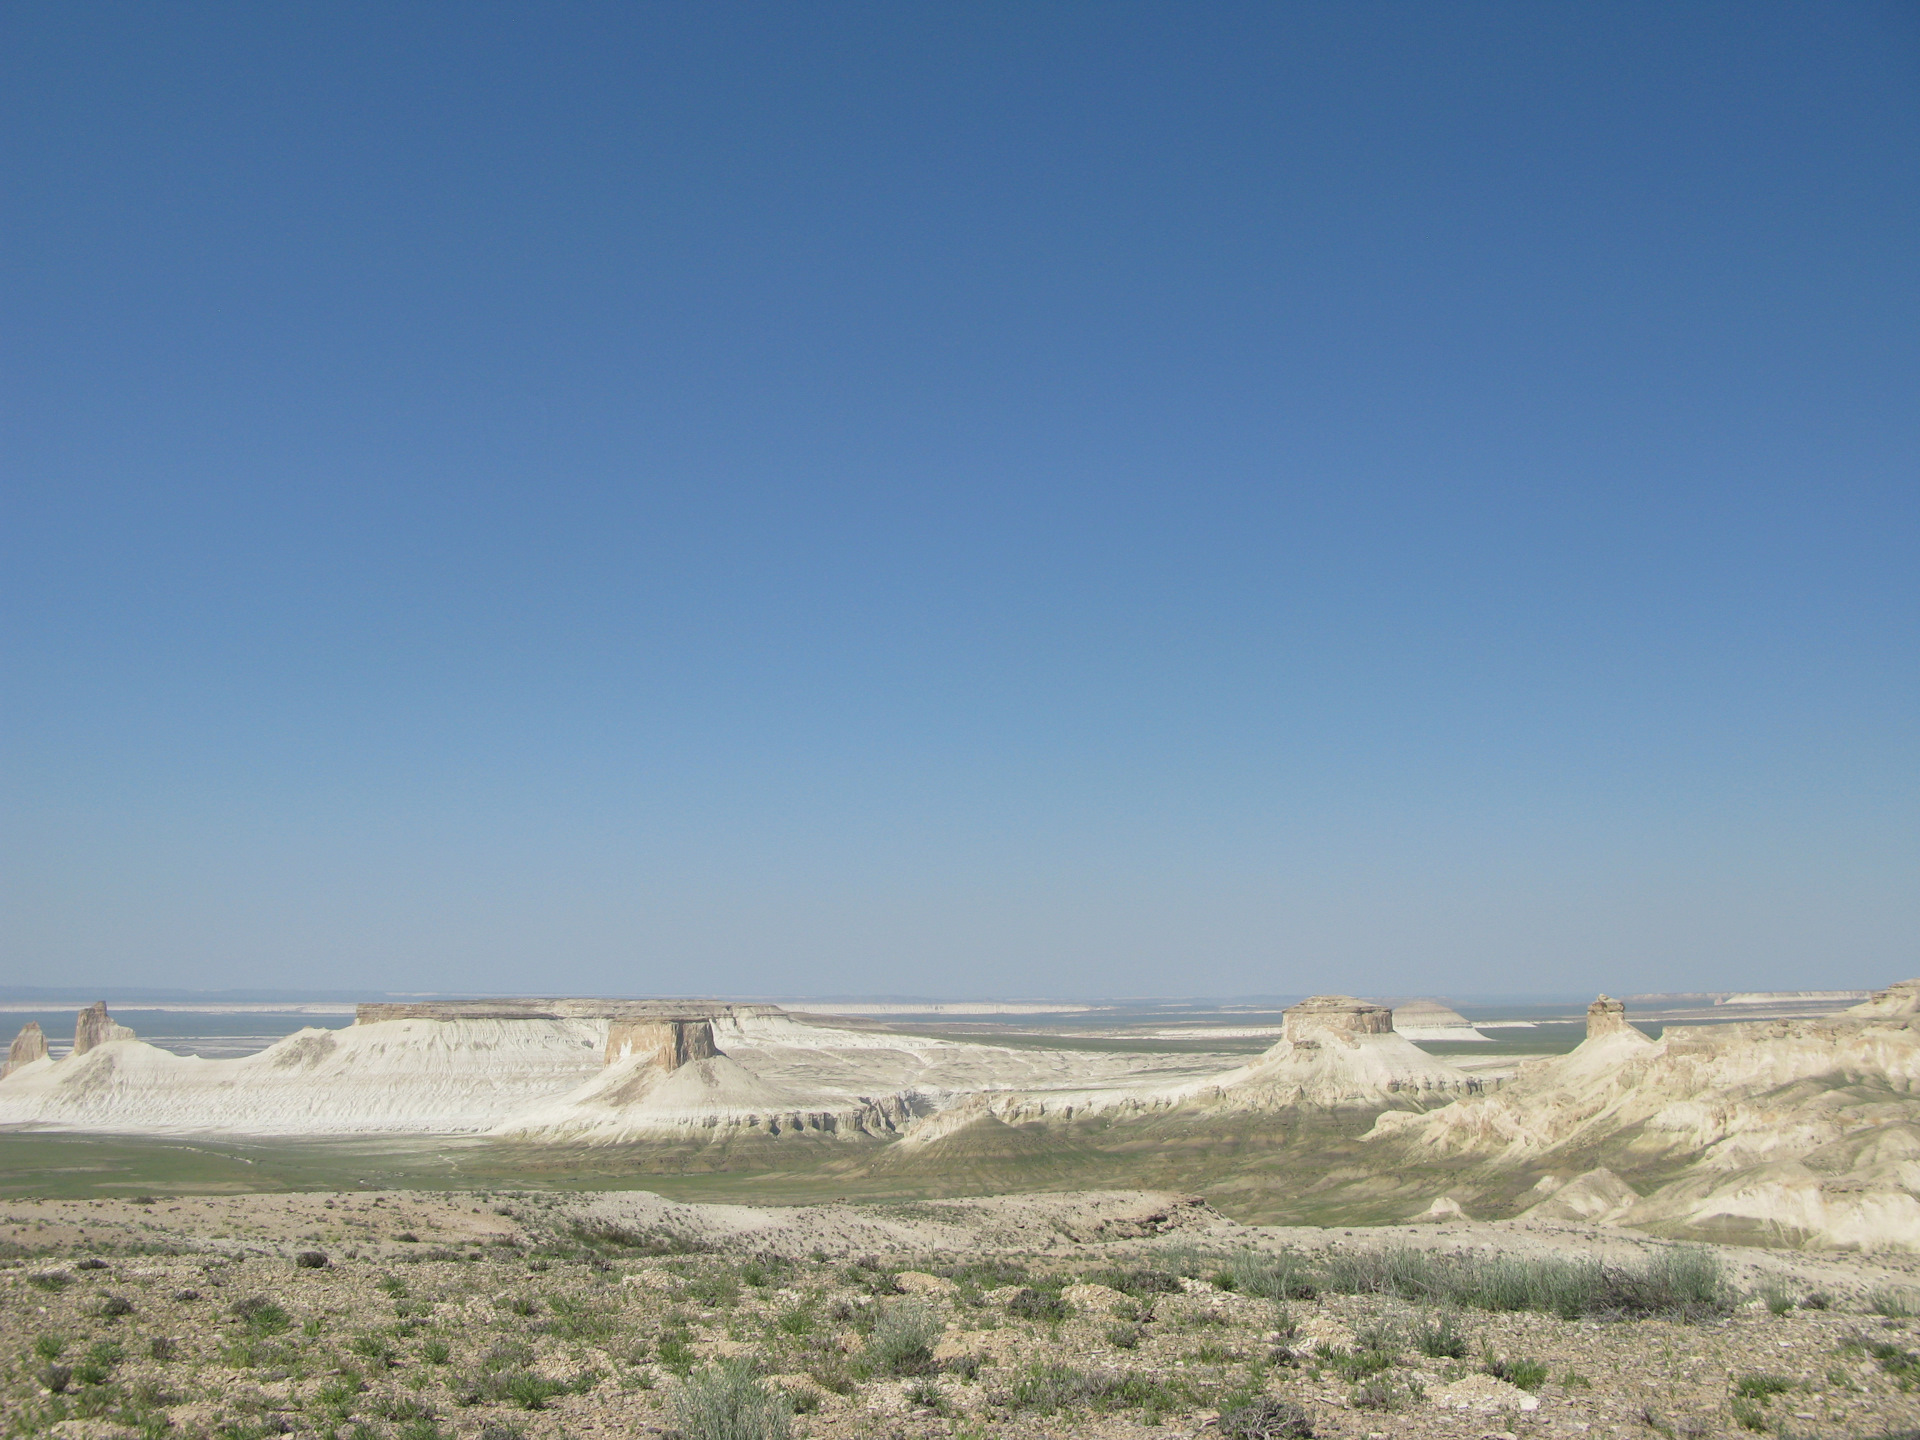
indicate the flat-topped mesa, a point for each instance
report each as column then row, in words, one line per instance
column 1320, row 1016
column 1605, row 1016
column 95, row 1027
column 28, row 1046
column 373, row 1012
column 671, row 1043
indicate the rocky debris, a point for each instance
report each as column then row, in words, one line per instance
column 1482, row 1394
column 28, row 1046
column 94, row 1027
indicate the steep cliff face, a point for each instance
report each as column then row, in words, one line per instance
column 665, row 1045
column 95, row 1027
column 28, row 1046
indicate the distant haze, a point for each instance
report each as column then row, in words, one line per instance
column 983, row 501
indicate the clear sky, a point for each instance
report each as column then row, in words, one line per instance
column 960, row 500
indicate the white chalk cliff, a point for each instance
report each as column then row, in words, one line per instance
column 1805, row 1131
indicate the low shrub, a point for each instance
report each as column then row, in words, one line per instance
column 262, row 1316
column 1045, row 1305
column 1265, row 1419
column 729, row 1401
column 1125, row 1337
column 903, row 1337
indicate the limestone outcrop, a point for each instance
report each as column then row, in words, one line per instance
column 28, row 1046
column 668, row 1044
column 1606, row 1016
column 95, row 1027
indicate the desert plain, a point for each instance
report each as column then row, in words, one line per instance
column 576, row 1218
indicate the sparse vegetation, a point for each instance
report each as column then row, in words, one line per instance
column 448, row 1348
column 1681, row 1281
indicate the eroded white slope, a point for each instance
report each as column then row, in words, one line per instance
column 778, row 1076
column 1807, row 1131
column 415, row 1076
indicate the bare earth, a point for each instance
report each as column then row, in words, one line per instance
column 1099, row 1314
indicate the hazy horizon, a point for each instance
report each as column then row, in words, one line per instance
column 960, row 502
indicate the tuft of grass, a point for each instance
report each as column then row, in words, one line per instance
column 729, row 1401
column 530, row 1391
column 49, row 1347
column 1892, row 1303
column 1902, row 1365
column 927, row 1394
column 1045, row 1305
column 1761, row 1387
column 903, row 1337
column 1527, row 1374
column 1125, row 1336
column 675, row 1350
column 1749, row 1416
column 435, row 1352
column 797, row 1320
column 262, row 1316
column 1049, row 1388
column 1439, row 1337
column 1777, row 1298
column 576, row 1317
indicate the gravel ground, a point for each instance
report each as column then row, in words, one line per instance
column 420, row 1316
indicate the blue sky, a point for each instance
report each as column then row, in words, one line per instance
column 957, row 501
